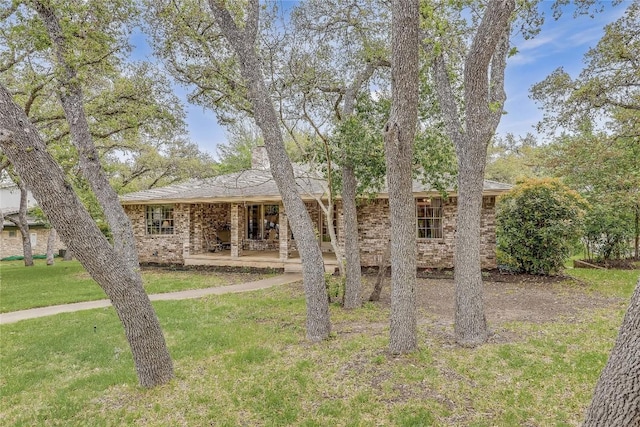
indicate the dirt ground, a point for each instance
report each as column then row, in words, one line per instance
column 507, row 298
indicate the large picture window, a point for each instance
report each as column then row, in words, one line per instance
column 159, row 219
column 262, row 222
column 429, row 214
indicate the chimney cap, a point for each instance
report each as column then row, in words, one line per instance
column 259, row 158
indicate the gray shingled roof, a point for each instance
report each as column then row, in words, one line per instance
column 257, row 185
column 32, row 221
column 252, row 184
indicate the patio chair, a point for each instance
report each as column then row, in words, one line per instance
column 212, row 244
column 223, row 238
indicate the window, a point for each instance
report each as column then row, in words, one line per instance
column 262, row 222
column 159, row 219
column 12, row 233
column 429, row 214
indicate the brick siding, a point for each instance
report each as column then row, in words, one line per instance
column 12, row 245
column 193, row 222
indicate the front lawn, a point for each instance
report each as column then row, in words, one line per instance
column 66, row 282
column 241, row 359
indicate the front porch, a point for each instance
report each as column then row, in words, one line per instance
column 258, row 259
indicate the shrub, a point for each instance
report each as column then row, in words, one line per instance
column 608, row 232
column 538, row 223
column 335, row 288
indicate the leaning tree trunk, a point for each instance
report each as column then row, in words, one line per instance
column 243, row 40
column 51, row 242
column 353, row 284
column 616, row 401
column 21, row 143
column 71, row 98
column 382, row 271
column 399, row 134
column 337, row 250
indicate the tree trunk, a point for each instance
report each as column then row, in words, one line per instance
column 484, row 98
column 470, row 321
column 21, row 143
column 328, row 216
column 399, row 134
column 637, row 232
column 51, row 242
column 616, row 400
column 243, row 42
column 353, row 284
column 71, row 98
column 23, row 226
column 382, row 271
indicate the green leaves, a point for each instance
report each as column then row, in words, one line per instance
column 609, row 81
column 538, row 223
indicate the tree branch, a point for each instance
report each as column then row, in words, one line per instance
column 446, row 98
column 498, row 96
column 251, row 23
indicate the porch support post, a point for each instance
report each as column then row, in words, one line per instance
column 236, row 240
column 283, row 234
column 186, row 239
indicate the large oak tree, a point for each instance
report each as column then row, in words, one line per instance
column 20, row 141
column 471, row 130
column 241, row 35
column 399, row 135
column 71, row 97
column 335, row 52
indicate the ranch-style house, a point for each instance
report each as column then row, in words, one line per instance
column 239, row 220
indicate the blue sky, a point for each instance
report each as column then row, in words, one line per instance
column 561, row 43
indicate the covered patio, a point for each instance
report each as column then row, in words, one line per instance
column 257, row 259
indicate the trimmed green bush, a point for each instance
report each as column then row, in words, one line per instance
column 538, row 223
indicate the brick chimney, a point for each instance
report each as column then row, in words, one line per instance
column 259, row 158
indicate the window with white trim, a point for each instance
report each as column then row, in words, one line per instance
column 159, row 219
column 429, row 218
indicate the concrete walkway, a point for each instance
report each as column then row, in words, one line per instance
column 282, row 279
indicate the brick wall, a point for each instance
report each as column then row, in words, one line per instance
column 374, row 231
column 11, row 242
column 193, row 222
column 160, row 248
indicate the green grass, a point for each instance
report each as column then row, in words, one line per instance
column 607, row 282
column 242, row 359
column 66, row 282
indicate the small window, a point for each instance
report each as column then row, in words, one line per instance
column 429, row 215
column 12, row 233
column 159, row 219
